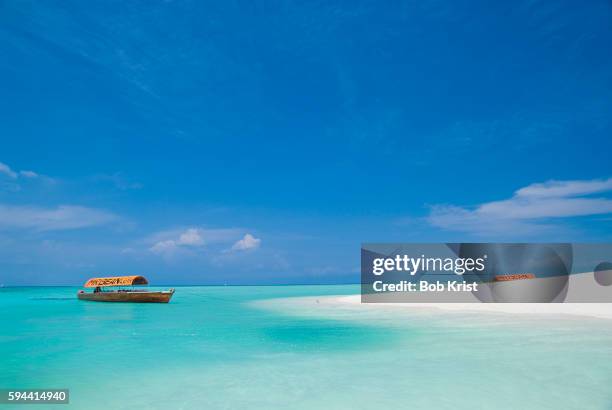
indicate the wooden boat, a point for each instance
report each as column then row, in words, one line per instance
column 102, row 294
column 514, row 276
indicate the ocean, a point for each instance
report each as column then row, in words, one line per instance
column 223, row 348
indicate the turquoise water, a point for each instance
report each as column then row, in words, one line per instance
column 216, row 347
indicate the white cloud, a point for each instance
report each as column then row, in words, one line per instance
column 208, row 235
column 528, row 209
column 6, row 170
column 164, row 247
column 174, row 242
column 64, row 217
column 191, row 237
column 28, row 174
column 565, row 188
column 247, row 242
column 10, row 180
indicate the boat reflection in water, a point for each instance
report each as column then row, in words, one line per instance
column 102, row 293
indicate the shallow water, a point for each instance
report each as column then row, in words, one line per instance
column 212, row 347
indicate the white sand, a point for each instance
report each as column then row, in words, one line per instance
column 598, row 310
column 347, row 304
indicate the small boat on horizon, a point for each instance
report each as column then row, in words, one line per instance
column 101, row 293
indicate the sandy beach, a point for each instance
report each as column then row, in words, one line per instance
column 352, row 303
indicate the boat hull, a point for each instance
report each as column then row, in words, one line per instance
column 128, row 297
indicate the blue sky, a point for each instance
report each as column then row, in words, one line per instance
column 229, row 142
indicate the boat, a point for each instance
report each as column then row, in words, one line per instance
column 514, row 276
column 102, row 293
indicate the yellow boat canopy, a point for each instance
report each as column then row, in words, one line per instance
column 116, row 281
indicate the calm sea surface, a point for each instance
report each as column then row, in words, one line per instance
column 216, row 347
